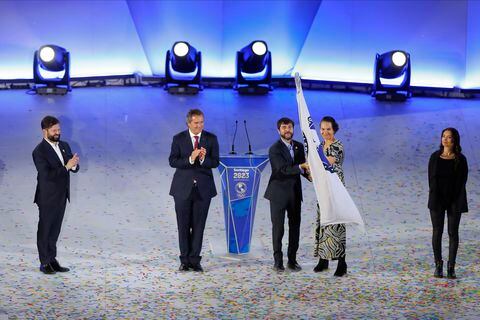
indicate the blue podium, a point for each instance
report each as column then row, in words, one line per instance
column 240, row 175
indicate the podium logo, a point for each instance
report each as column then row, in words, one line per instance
column 241, row 189
column 240, row 173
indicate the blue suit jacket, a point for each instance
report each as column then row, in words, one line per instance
column 186, row 173
column 53, row 179
column 284, row 185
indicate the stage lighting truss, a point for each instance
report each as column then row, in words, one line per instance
column 51, row 70
column 183, row 69
column 254, row 68
column 392, row 74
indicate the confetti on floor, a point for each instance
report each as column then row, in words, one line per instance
column 119, row 234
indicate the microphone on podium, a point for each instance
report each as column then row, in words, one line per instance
column 248, row 138
column 233, row 140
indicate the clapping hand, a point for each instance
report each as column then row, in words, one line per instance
column 73, row 162
column 203, row 153
column 195, row 154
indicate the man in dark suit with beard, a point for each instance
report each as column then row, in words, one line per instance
column 54, row 160
column 284, row 190
column 194, row 153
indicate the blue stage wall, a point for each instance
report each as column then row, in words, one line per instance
column 100, row 36
column 326, row 40
column 472, row 69
column 346, row 35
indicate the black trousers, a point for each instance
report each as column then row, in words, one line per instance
column 191, row 218
column 49, row 226
column 277, row 213
column 438, row 220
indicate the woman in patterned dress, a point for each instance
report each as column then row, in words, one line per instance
column 330, row 240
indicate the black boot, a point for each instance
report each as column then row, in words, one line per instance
column 341, row 268
column 322, row 265
column 451, row 270
column 438, row 269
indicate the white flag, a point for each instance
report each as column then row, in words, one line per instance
column 336, row 205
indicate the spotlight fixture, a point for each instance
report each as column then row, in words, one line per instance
column 51, row 70
column 183, row 68
column 392, row 66
column 254, row 68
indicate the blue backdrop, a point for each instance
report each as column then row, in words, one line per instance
column 326, row 40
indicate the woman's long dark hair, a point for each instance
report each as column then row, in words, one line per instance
column 457, row 148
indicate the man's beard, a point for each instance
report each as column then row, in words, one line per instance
column 54, row 138
column 284, row 136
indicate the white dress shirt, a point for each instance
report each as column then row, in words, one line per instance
column 57, row 150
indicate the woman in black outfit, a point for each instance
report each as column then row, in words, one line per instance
column 447, row 177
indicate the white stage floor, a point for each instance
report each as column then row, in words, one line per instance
column 119, row 235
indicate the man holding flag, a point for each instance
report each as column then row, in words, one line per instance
column 284, row 190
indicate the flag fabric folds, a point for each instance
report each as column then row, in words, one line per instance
column 336, row 205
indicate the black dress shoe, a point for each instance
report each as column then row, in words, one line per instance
column 322, row 265
column 183, row 267
column 294, row 266
column 47, row 269
column 197, row 267
column 57, row 267
column 278, row 267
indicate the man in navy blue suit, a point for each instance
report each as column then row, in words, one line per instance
column 284, row 190
column 54, row 161
column 193, row 154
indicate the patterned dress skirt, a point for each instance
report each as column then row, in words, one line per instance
column 329, row 240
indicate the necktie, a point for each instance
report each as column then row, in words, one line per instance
column 195, row 145
column 290, row 148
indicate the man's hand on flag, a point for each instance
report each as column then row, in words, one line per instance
column 305, row 166
column 306, row 171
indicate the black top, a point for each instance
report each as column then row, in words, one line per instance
column 447, row 180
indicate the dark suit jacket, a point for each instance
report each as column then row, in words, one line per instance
column 186, row 173
column 53, row 179
column 284, row 184
column 460, row 180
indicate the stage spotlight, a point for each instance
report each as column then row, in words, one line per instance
column 392, row 76
column 180, row 49
column 254, row 68
column 183, row 68
column 51, row 67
